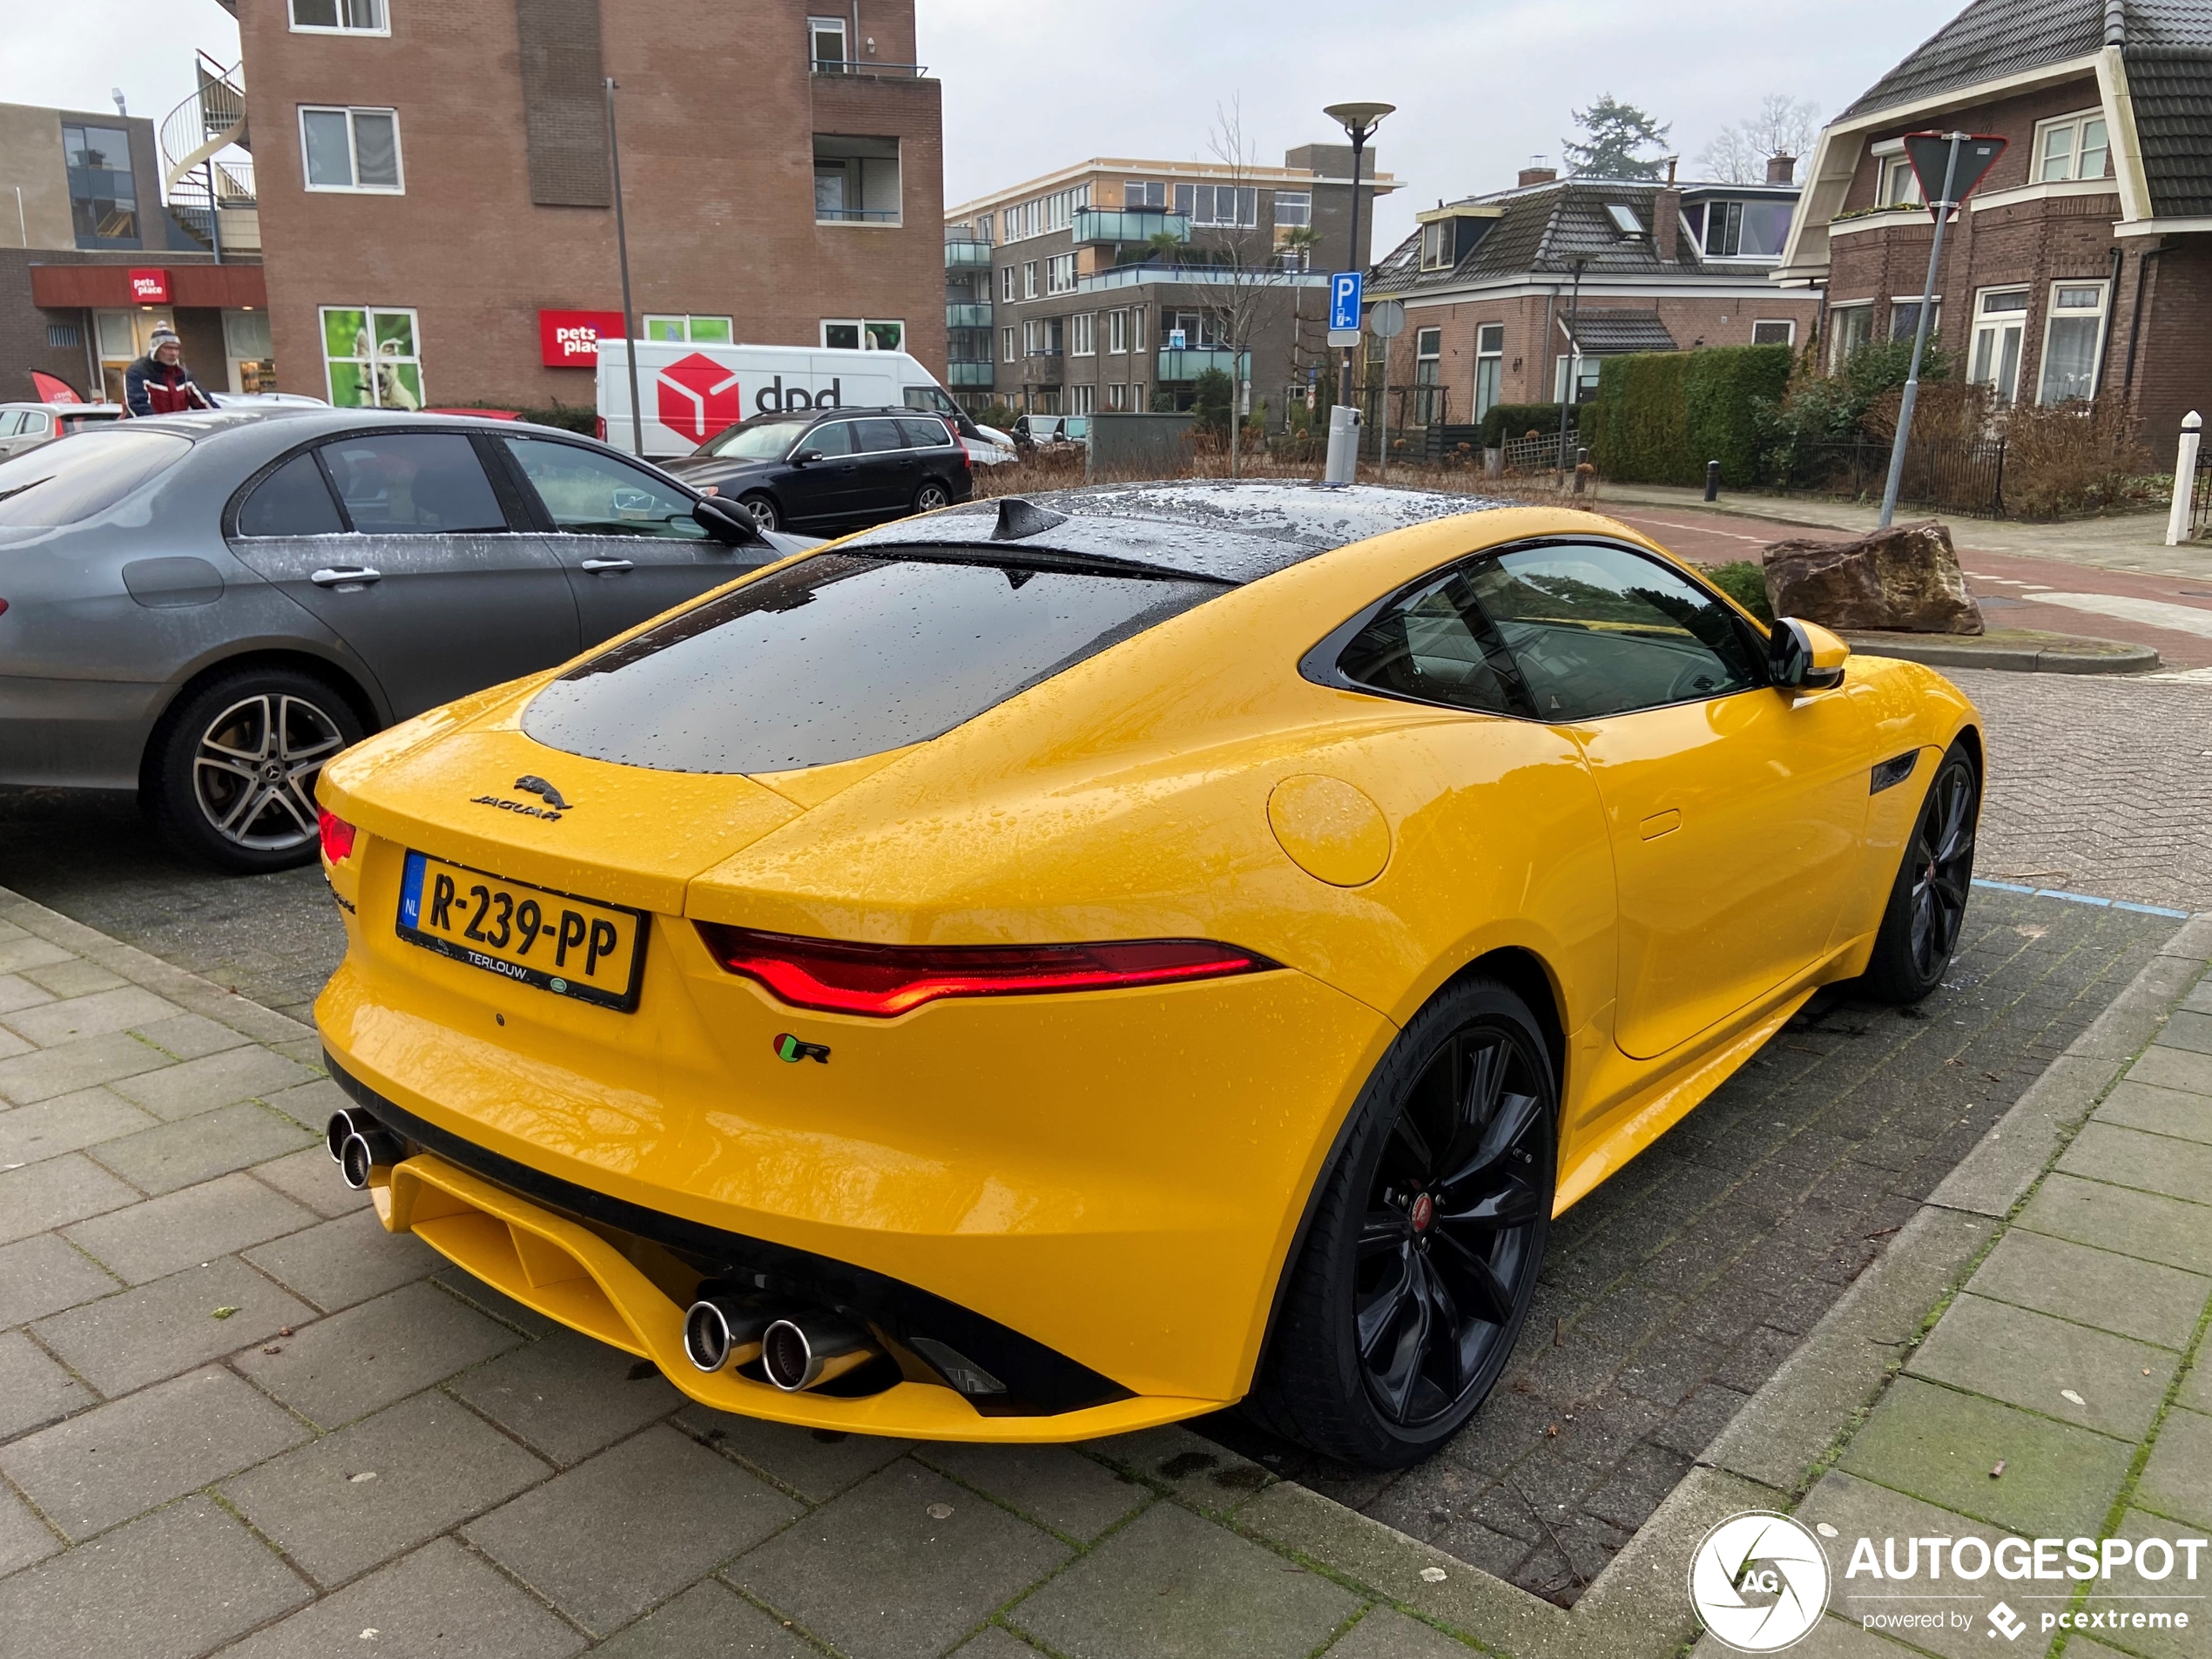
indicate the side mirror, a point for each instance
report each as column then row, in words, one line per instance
column 733, row 526
column 1804, row 656
column 805, row 457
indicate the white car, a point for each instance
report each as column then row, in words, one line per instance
column 26, row 426
column 996, row 448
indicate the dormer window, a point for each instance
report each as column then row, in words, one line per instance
column 1741, row 230
column 1436, row 245
column 1449, row 235
column 1624, row 218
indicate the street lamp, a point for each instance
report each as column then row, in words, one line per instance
column 1359, row 121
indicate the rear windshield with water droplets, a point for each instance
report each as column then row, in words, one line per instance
column 843, row 655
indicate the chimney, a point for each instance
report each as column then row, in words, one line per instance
column 1536, row 176
column 1666, row 221
column 1782, row 170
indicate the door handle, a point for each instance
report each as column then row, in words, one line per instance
column 607, row 567
column 359, row 577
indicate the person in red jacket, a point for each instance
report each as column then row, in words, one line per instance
column 158, row 383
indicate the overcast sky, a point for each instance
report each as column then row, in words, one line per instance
column 1481, row 85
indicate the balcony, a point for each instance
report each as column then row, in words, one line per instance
column 1127, row 225
column 1180, row 365
column 969, row 374
column 960, row 314
column 967, row 255
column 1130, row 276
column 1044, row 368
column 869, row 69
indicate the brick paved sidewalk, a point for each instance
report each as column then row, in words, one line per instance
column 2063, row 1394
column 236, row 1415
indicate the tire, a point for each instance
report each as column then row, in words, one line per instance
column 1921, row 924
column 763, row 510
column 931, row 496
column 232, row 772
column 1433, row 1215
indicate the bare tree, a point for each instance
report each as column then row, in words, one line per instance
column 1782, row 126
column 1243, row 265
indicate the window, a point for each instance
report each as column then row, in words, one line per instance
column 1083, row 400
column 370, row 359
column 1116, row 396
column 825, row 49
column 858, row 335
column 699, row 331
column 1053, row 213
column 339, row 17
column 413, row 483
column 1006, row 282
column 1850, row 329
column 1428, row 369
column 1436, row 245
column 66, row 483
column 1900, row 184
column 1586, row 374
column 1774, row 333
column 2072, row 335
column 1086, row 340
column 1043, row 336
column 1136, row 395
column 1489, row 366
column 1434, row 644
column 1904, row 318
column 1117, row 331
column 1007, row 340
column 248, row 351
column 2000, row 325
column 1137, row 329
column 586, row 493
column 983, row 227
column 1624, row 218
column 1596, row 630
column 1029, row 280
column 1293, row 207
column 103, row 194
column 1745, row 230
column 351, row 149
column 294, row 500
column 1136, row 192
column 1229, row 207
column 1060, row 273
column 838, row 655
column 2074, row 146
column 856, row 180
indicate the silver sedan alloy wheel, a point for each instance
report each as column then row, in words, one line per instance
column 254, row 770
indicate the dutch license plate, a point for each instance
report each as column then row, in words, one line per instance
column 556, row 941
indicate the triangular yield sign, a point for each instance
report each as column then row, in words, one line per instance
column 1930, row 154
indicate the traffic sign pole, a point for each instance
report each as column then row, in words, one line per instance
column 1956, row 186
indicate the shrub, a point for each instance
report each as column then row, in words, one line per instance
column 1660, row 416
column 1746, row 582
column 1507, row 421
column 998, row 414
column 2066, row 458
column 570, row 417
column 1212, row 395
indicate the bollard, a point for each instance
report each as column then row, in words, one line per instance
column 1581, row 462
column 1712, row 481
column 1344, row 445
column 2177, row 516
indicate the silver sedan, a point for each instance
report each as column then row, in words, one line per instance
column 205, row 608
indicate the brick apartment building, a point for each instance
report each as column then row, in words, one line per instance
column 436, row 200
column 2083, row 263
column 1114, row 284
column 1516, row 296
column 81, row 216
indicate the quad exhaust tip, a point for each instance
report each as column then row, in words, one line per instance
column 724, row 1330
column 806, row 1350
column 336, row 1132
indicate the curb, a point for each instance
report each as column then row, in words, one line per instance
column 2123, row 659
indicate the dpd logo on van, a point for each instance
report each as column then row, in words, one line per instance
column 698, row 397
column 1759, row 1583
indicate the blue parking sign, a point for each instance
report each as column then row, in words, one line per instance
column 1343, row 299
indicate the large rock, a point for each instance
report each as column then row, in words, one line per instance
column 1905, row 579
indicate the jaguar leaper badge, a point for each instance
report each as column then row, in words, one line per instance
column 791, row 1050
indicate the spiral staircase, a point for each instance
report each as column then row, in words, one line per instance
column 207, row 168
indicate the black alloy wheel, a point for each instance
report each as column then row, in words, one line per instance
column 232, row 772
column 931, row 496
column 763, row 510
column 1927, row 908
column 1422, row 1256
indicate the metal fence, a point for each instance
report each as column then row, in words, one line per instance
column 1952, row 476
column 2201, row 497
column 1414, row 412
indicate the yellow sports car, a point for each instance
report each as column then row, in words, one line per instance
column 1045, row 968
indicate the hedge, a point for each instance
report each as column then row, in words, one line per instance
column 570, row 417
column 1660, row 416
column 1506, row 421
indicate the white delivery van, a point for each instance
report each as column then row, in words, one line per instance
column 686, row 393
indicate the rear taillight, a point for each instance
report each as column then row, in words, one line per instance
column 599, row 428
column 337, row 837
column 3, row 607
column 881, row 980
